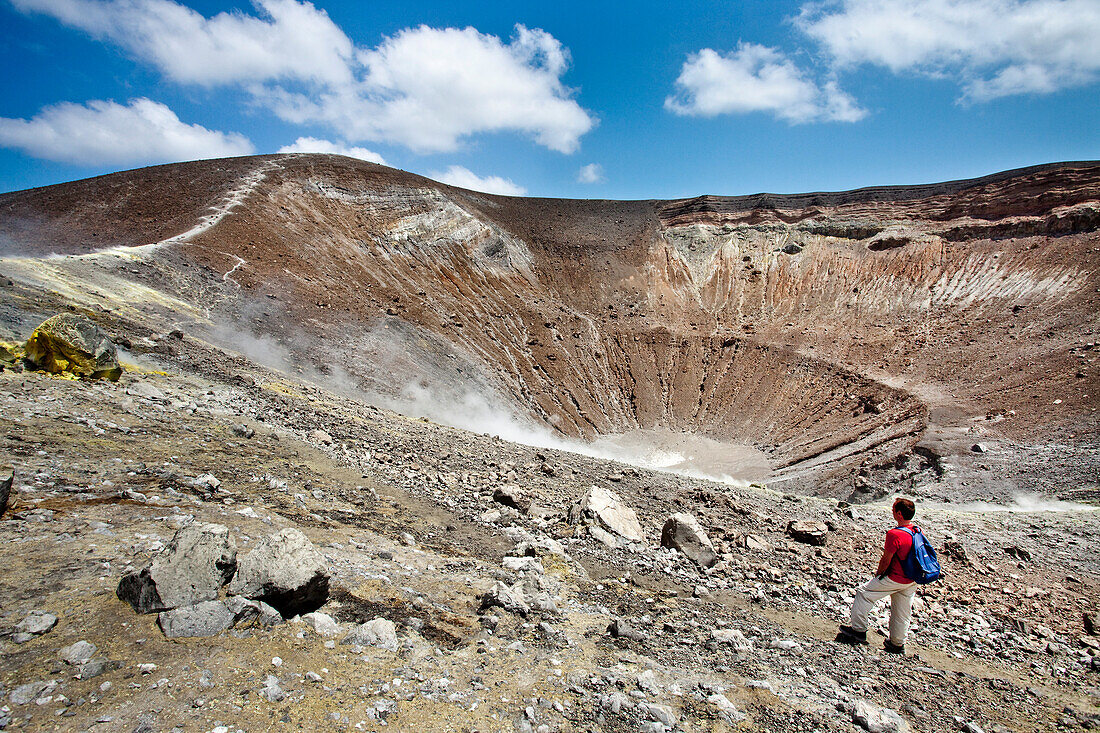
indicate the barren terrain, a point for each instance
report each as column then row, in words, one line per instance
column 330, row 339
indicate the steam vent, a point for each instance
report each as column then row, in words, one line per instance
column 833, row 338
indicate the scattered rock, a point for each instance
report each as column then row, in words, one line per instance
column 24, row 694
column 878, row 720
column 621, row 629
column 684, row 533
column 78, row 652
column 286, row 572
column 207, row 482
column 243, row 431
column 1018, row 552
column 504, row 597
column 608, row 510
column 512, row 496
column 72, row 344
column 36, row 623
column 199, row 560
column 810, row 533
column 378, row 632
column 322, row 623
column 272, row 691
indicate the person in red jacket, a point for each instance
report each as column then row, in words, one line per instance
column 890, row 580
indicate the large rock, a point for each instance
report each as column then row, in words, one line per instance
column 213, row 617
column 199, row 560
column 684, row 533
column 604, row 507
column 202, row 619
column 72, row 344
column 811, row 533
column 285, row 571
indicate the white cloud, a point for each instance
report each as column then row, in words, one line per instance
column 756, row 78
column 429, row 88
column 108, row 133
column 425, row 88
column 315, row 145
column 456, row 175
column 993, row 48
column 591, row 173
column 290, row 41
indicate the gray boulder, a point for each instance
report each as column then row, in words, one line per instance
column 378, row 632
column 78, row 652
column 285, row 571
column 684, row 533
column 604, row 508
column 202, row 619
column 810, row 533
column 209, row 618
column 199, row 560
column 35, row 624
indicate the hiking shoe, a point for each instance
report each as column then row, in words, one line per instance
column 848, row 635
column 893, row 648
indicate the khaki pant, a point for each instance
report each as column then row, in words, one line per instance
column 901, row 605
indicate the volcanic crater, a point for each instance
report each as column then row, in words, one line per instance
column 836, row 343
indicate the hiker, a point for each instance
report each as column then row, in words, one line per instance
column 890, row 580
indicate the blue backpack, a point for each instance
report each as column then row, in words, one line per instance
column 921, row 564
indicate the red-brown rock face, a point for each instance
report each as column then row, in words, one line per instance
column 833, row 332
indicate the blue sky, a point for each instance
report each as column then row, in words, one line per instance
column 575, row 99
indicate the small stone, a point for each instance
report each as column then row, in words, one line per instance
column 320, row 436
column 621, row 629
column 878, row 720
column 147, row 668
column 606, row 508
column 272, row 691
column 24, row 694
column 979, row 448
column 378, row 632
column 807, row 532
column 322, row 623
column 77, row 653
column 512, row 496
column 36, row 623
